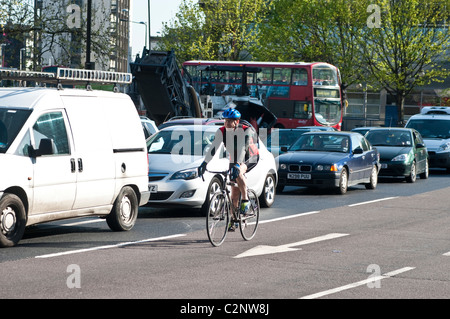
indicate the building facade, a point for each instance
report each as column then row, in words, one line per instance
column 65, row 42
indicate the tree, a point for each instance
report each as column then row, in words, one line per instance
column 51, row 32
column 409, row 46
column 315, row 30
column 214, row 29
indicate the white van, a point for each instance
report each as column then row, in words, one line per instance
column 69, row 153
column 433, row 123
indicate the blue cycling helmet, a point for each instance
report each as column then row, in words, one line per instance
column 231, row 114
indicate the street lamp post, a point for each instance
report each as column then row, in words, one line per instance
column 149, row 28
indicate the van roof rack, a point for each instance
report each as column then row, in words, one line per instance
column 69, row 76
column 443, row 110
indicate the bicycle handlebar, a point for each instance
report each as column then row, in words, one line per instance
column 221, row 172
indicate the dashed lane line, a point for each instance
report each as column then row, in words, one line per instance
column 359, row 283
column 70, row 252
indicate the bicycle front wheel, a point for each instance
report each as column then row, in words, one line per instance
column 248, row 223
column 218, row 218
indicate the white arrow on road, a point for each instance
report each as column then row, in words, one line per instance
column 265, row 250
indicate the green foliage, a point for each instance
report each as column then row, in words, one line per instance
column 217, row 30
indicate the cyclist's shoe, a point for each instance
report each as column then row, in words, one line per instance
column 245, row 207
column 232, row 227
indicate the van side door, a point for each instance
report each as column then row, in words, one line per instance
column 93, row 151
column 54, row 180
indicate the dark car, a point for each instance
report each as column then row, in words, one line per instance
column 284, row 137
column 402, row 152
column 329, row 159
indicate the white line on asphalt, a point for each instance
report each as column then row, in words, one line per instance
column 447, row 254
column 70, row 252
column 373, row 201
column 359, row 283
column 287, row 217
column 265, row 250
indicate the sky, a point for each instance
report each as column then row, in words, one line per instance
column 160, row 11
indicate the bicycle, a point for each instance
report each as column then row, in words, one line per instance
column 221, row 214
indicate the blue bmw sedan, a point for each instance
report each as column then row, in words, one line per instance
column 330, row 160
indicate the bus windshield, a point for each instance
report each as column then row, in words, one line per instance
column 327, row 112
column 11, row 122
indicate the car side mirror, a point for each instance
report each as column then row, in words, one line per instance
column 46, row 147
column 358, row 150
column 284, row 148
column 420, row 145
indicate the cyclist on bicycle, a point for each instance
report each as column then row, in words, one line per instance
column 239, row 141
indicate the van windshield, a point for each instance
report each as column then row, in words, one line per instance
column 11, row 122
column 431, row 128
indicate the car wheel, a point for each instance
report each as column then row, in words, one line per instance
column 343, row 182
column 426, row 172
column 124, row 212
column 12, row 220
column 413, row 175
column 213, row 187
column 373, row 179
column 267, row 196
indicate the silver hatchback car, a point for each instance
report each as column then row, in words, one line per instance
column 175, row 153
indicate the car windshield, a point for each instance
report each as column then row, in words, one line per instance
column 389, row 138
column 431, row 128
column 11, row 122
column 321, row 143
column 180, row 142
column 284, row 137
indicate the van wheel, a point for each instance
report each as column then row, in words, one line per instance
column 124, row 212
column 12, row 220
column 267, row 196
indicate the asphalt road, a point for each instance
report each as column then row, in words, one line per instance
column 391, row 242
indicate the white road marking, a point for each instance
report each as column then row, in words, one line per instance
column 287, row 217
column 359, row 283
column 70, row 252
column 265, row 250
column 447, row 254
column 372, row 201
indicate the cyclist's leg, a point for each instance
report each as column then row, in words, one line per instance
column 242, row 181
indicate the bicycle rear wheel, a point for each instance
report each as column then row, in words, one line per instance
column 218, row 218
column 248, row 223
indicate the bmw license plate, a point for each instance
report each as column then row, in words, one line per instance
column 298, row 176
column 153, row 188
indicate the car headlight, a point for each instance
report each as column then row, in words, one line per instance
column 444, row 147
column 400, row 158
column 329, row 168
column 186, row 174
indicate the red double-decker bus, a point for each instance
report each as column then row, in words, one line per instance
column 299, row 94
